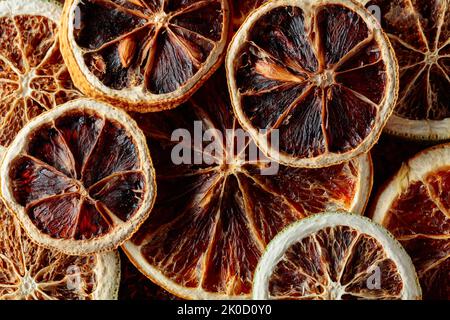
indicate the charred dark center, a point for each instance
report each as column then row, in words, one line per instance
column 317, row 77
column 157, row 46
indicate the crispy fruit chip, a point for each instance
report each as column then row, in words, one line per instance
column 33, row 77
column 336, row 256
column 79, row 178
column 216, row 212
column 419, row 31
column 145, row 55
column 318, row 73
column 415, row 207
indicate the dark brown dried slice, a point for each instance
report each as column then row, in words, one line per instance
column 79, row 178
column 146, row 55
column 415, row 207
column 241, row 10
column 33, row 77
column 217, row 209
column 419, row 30
column 335, row 256
column 318, row 74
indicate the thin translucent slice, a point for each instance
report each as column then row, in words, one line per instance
column 413, row 103
column 340, row 30
column 301, row 132
column 56, row 216
column 115, row 151
column 122, row 194
column 366, row 55
column 439, row 184
column 349, row 119
column 206, row 19
column 439, row 95
column 37, row 35
column 369, row 81
column 13, row 122
column 6, row 72
column 48, row 145
column 234, row 253
column 33, row 181
column 91, row 223
column 9, row 44
column 282, row 33
column 198, row 47
column 445, row 30
column 80, row 132
column 427, row 252
column 100, row 23
column 400, row 19
column 7, row 91
column 173, row 65
column 407, row 57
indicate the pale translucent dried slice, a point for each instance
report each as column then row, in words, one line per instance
column 33, row 77
column 335, row 256
column 419, row 31
column 415, row 207
column 31, row 272
column 144, row 55
column 320, row 73
column 80, row 178
column 212, row 220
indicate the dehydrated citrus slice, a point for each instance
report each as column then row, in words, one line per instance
column 144, row 55
column 419, row 31
column 79, row 178
column 336, row 256
column 320, row 73
column 241, row 10
column 33, row 77
column 414, row 206
column 216, row 212
column 28, row 271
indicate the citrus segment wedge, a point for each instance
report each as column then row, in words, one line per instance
column 33, row 77
column 335, row 256
column 420, row 34
column 79, row 178
column 143, row 55
column 320, row 74
column 414, row 206
column 214, row 217
column 241, row 10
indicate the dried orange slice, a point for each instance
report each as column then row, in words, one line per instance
column 33, row 77
column 215, row 214
column 241, row 10
column 319, row 73
column 419, row 31
column 28, row 271
column 144, row 55
column 336, row 256
column 414, row 206
column 79, row 178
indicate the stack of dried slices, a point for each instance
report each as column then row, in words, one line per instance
column 225, row 148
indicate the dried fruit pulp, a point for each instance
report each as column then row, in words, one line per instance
column 415, row 208
column 242, row 8
column 419, row 31
column 30, row 272
column 319, row 72
column 336, row 257
column 81, row 176
column 211, row 223
column 146, row 51
column 33, row 77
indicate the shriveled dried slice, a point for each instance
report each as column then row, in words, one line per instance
column 33, row 77
column 31, row 272
column 419, row 31
column 415, row 207
column 144, row 55
column 319, row 73
column 335, row 256
column 241, row 10
column 79, row 178
column 216, row 211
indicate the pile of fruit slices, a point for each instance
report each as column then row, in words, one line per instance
column 93, row 93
